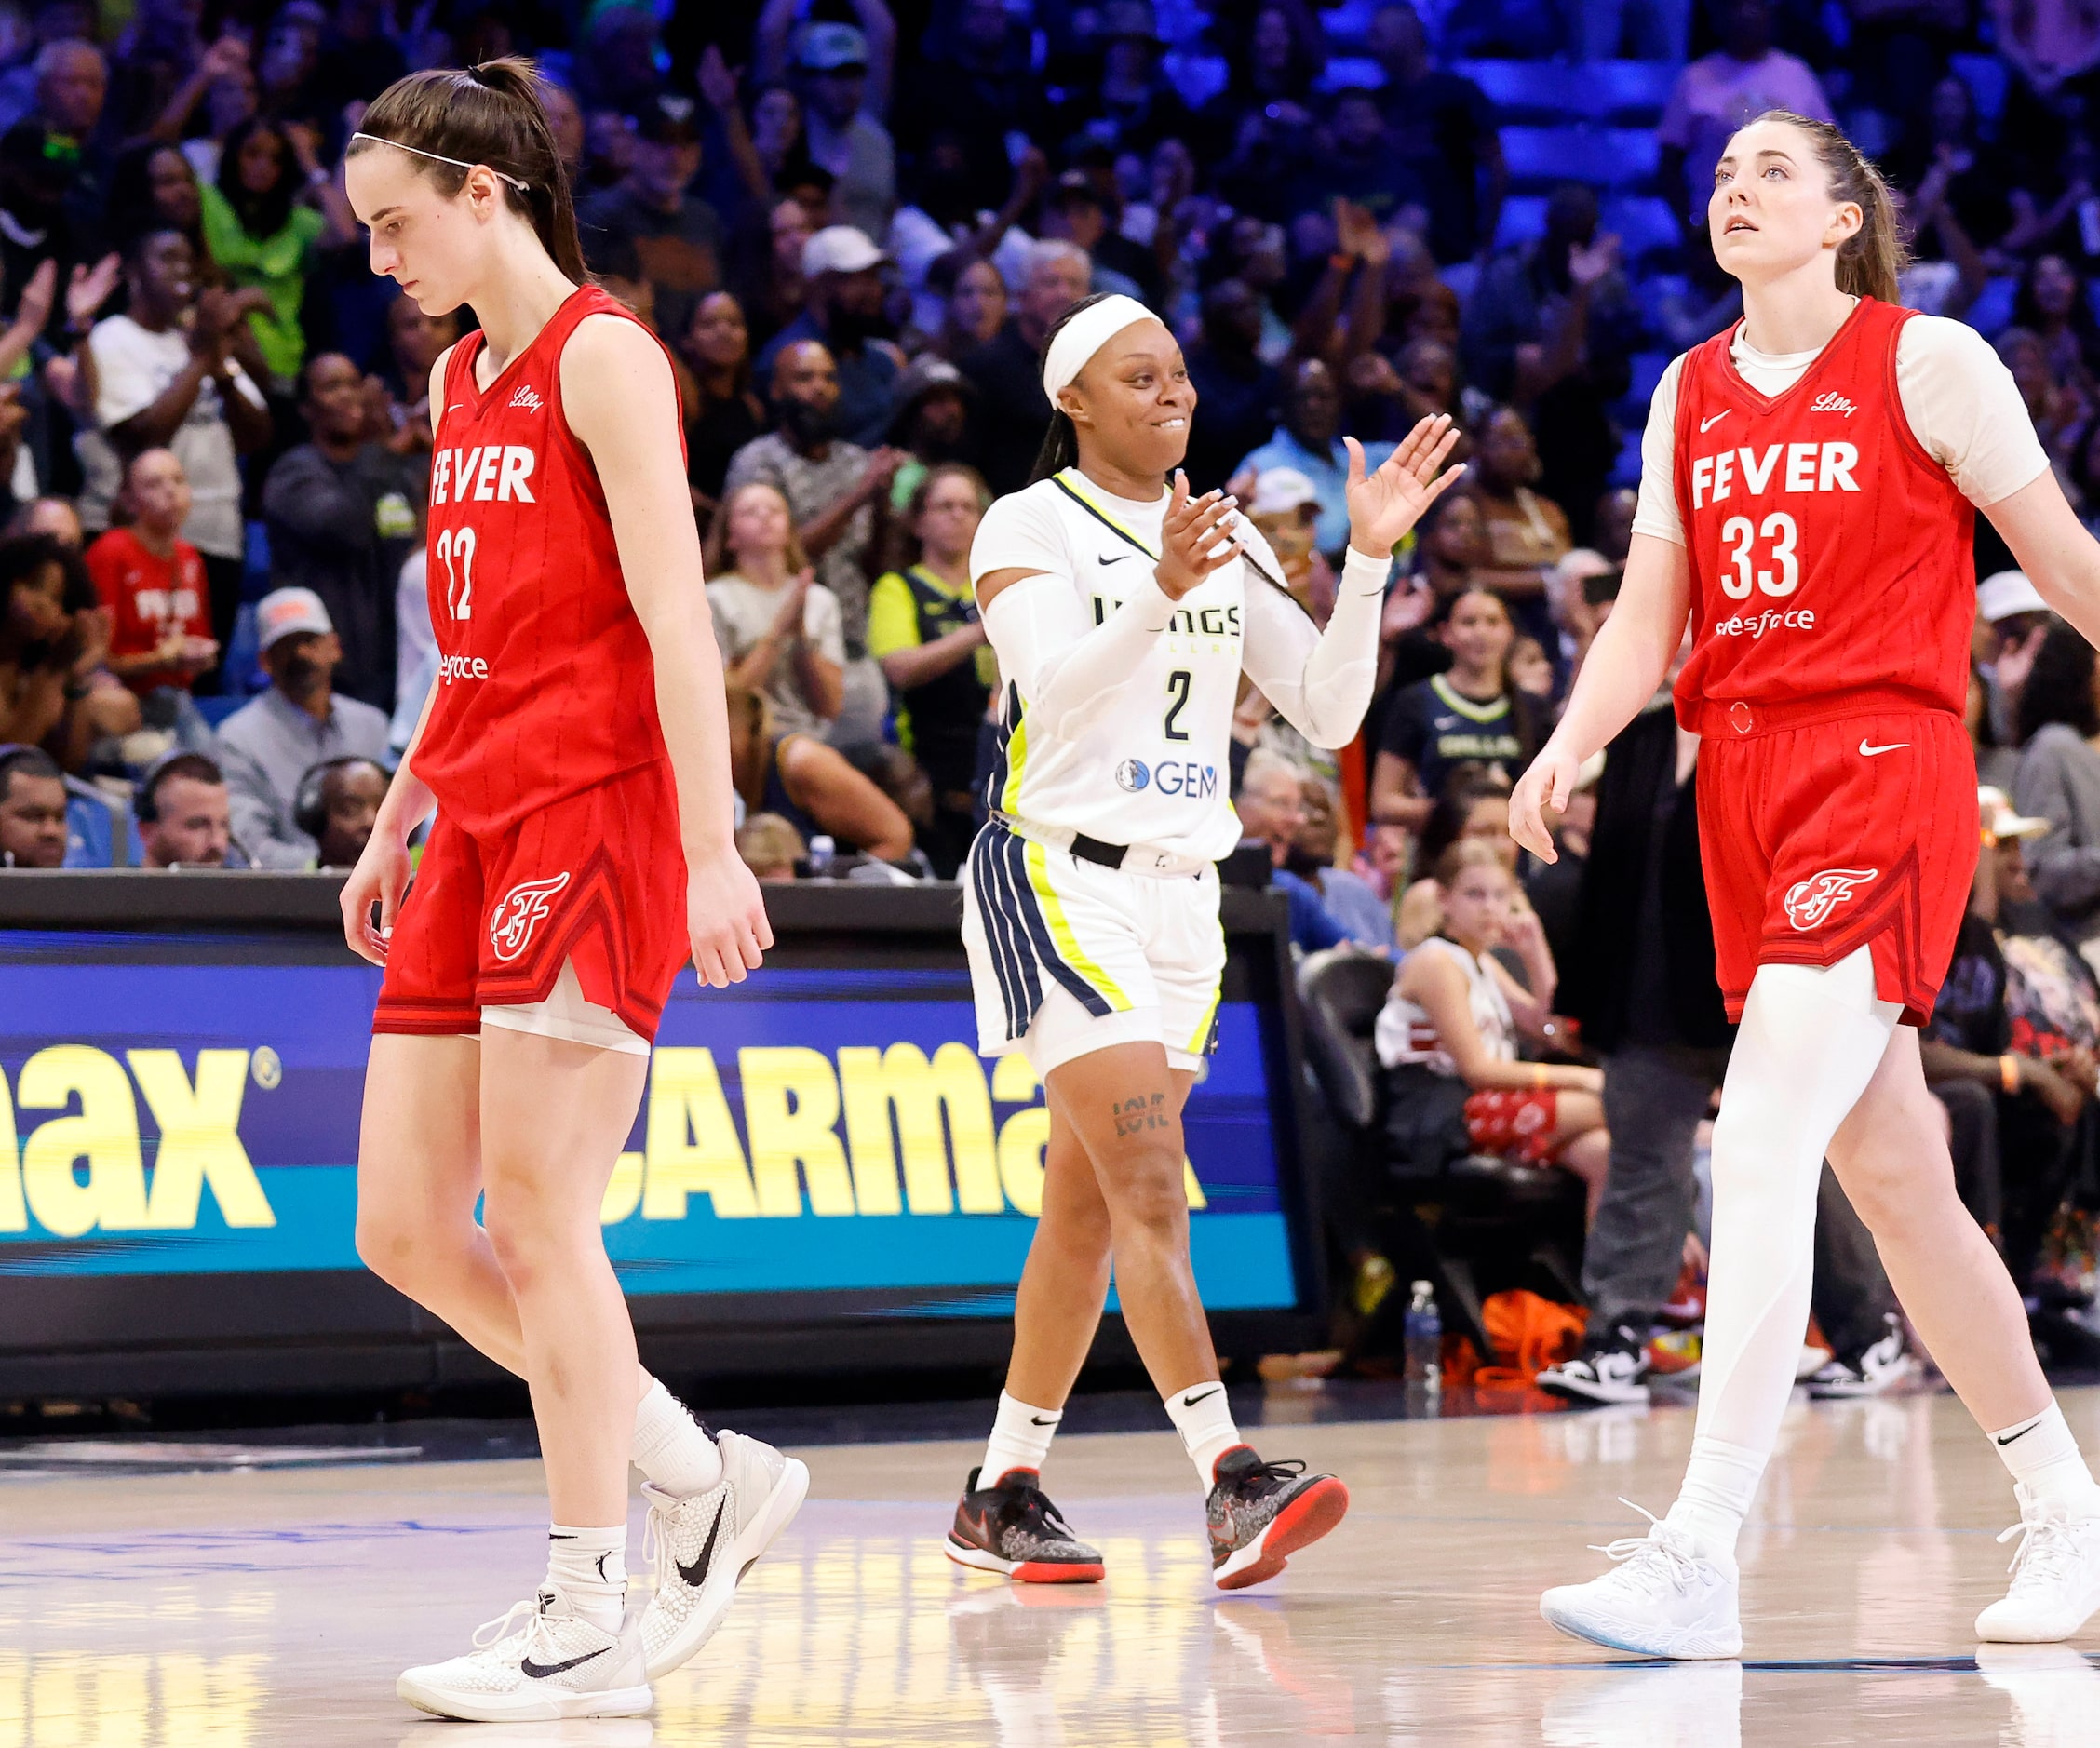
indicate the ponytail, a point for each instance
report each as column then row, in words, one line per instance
column 1060, row 443
column 1871, row 261
column 493, row 113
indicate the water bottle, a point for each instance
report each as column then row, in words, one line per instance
column 821, row 851
column 1424, row 1340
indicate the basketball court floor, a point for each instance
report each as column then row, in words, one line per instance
column 230, row 1607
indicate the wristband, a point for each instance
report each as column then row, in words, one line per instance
column 1538, row 1076
column 2009, row 1072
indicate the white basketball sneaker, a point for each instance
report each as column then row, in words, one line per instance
column 701, row 1547
column 539, row 1663
column 2055, row 1576
column 1662, row 1598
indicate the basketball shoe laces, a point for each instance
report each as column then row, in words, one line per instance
column 1030, row 1508
column 1664, row 1557
column 1253, row 1483
column 496, row 1639
column 2047, row 1552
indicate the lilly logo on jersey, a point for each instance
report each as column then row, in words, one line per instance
column 518, row 913
column 527, row 398
column 1832, row 403
column 1810, row 901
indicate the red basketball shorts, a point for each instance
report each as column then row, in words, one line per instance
column 1820, row 840
column 597, row 879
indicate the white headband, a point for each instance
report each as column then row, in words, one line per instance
column 1085, row 335
column 438, row 158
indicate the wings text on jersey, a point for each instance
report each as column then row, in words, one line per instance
column 493, row 472
column 1794, row 467
column 1208, row 622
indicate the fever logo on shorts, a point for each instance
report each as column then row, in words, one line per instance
column 1810, row 901
column 1133, row 774
column 518, row 913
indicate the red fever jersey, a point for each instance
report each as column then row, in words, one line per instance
column 556, row 837
column 1833, row 592
column 544, row 682
column 149, row 596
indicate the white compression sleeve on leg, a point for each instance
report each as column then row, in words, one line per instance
column 1067, row 670
column 1810, row 1039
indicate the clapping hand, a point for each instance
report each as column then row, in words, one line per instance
column 1383, row 506
column 89, row 289
column 1195, row 538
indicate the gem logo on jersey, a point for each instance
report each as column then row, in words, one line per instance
column 1132, row 775
column 1810, row 901
column 518, row 912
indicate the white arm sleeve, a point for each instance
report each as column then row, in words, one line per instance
column 1068, row 670
column 1321, row 681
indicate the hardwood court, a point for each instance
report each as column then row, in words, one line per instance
column 245, row 1609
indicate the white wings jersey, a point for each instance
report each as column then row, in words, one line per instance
column 1154, row 768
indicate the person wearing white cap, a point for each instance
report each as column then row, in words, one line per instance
column 271, row 741
column 2017, row 616
column 1124, row 613
column 843, row 311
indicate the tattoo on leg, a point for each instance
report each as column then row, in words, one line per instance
column 1144, row 1112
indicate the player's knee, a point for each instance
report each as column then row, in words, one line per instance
column 1147, row 1192
column 395, row 1250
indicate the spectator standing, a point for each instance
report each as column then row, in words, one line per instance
column 225, row 83
column 162, row 385
column 153, row 582
column 1525, row 532
column 1007, row 369
column 341, row 510
column 1442, row 127
column 976, row 82
column 2012, row 620
column 677, row 236
column 271, row 741
column 185, row 815
column 1310, row 441
column 726, row 412
column 832, row 487
column 262, row 234
column 1126, row 97
column 778, row 626
column 1717, row 93
column 922, row 627
column 413, row 343
column 843, row 311
column 974, row 308
column 2058, row 780
column 1238, row 390
column 32, row 809
column 1471, row 714
column 845, row 81
column 152, row 185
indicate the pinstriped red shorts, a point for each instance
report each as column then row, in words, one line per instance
column 598, row 879
column 1818, row 841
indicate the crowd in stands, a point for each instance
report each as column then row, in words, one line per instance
column 852, row 222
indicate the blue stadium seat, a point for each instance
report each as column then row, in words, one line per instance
column 216, row 710
column 255, row 561
column 1991, row 314
column 1541, row 89
column 1629, row 90
column 1196, row 77
column 1644, row 223
column 1628, row 470
column 1524, row 219
column 1605, row 157
column 1351, row 73
column 1988, row 78
column 1647, row 368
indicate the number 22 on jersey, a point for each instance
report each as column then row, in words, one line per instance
column 455, row 552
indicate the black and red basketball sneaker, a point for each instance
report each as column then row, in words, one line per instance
column 1261, row 1513
column 1013, row 1530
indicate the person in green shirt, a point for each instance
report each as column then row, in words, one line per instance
column 263, row 230
column 922, row 627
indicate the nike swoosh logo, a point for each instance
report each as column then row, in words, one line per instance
column 1113, row 557
column 1869, row 752
column 540, row 1672
column 2021, row 1433
column 1704, row 424
column 697, row 1571
column 1191, row 1400
column 1038, row 1421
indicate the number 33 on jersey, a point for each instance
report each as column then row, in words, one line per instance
column 1829, row 552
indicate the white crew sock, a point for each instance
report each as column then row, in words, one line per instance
column 671, row 1448
column 2044, row 1459
column 1810, row 1041
column 1202, row 1415
column 1020, row 1439
column 588, row 1568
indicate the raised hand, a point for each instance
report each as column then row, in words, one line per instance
column 717, row 79
column 38, row 293
column 1385, row 504
column 1195, row 539
column 89, row 287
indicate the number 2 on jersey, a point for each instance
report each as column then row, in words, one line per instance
column 1178, row 684
column 455, row 552
column 1738, row 532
